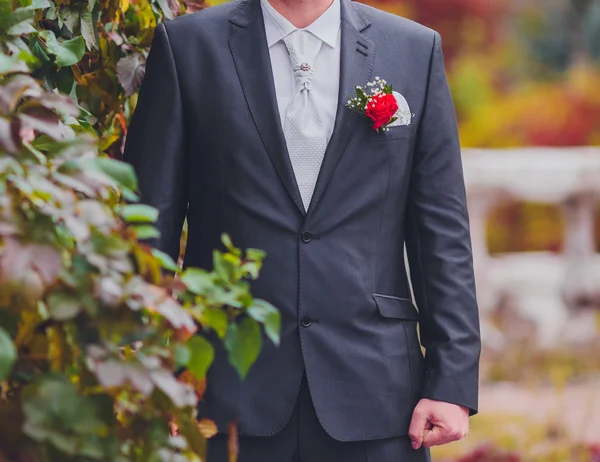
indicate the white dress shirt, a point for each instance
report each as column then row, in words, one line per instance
column 326, row 80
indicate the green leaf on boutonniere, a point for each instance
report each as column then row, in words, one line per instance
column 388, row 89
column 360, row 93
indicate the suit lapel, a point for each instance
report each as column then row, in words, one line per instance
column 357, row 58
column 250, row 52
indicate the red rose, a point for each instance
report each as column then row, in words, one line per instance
column 381, row 109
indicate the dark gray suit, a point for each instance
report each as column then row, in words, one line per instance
column 206, row 141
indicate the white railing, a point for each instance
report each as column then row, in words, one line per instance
column 558, row 293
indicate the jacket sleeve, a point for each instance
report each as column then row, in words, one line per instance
column 438, row 245
column 156, row 144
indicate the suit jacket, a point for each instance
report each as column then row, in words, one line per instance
column 206, row 142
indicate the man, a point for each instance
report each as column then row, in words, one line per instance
column 242, row 126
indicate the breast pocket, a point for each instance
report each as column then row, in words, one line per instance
column 393, row 134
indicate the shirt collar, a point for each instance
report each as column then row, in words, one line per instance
column 326, row 27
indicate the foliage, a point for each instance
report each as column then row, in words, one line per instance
column 93, row 322
column 92, row 50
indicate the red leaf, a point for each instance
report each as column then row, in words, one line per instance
column 17, row 261
column 9, row 135
column 194, row 5
column 13, row 90
column 42, row 120
column 130, row 71
column 199, row 386
column 181, row 394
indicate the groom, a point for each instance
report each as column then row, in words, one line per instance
column 242, row 127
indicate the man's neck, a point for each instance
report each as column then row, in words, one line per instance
column 301, row 13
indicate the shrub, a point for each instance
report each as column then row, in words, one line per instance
column 93, row 324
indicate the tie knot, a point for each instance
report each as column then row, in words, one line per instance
column 303, row 48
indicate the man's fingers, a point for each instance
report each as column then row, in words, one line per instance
column 417, row 428
column 435, row 437
column 439, row 435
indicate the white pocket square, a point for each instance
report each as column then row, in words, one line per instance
column 403, row 114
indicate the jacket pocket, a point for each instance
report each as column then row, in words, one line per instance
column 403, row 310
column 394, row 307
column 401, row 132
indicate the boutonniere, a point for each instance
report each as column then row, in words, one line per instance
column 385, row 107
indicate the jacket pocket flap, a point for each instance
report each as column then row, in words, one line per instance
column 395, row 307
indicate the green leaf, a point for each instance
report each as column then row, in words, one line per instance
column 226, row 240
column 52, row 12
column 21, row 28
column 146, row 232
column 55, row 412
column 69, row 18
column 252, row 268
column 182, row 355
column 215, row 319
column 265, row 313
column 255, row 254
column 40, row 4
column 8, row 354
column 88, row 30
column 62, row 306
column 243, row 343
column 166, row 261
column 129, row 195
column 5, row 13
column 9, row 64
column 166, row 8
column 202, row 356
column 71, row 52
column 197, row 280
column 121, row 172
column 189, row 429
column 38, row 51
column 15, row 18
column 222, row 267
column 65, row 81
column 139, row 213
column 68, row 52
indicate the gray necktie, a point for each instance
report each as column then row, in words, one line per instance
column 304, row 131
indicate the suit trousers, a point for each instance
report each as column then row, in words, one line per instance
column 303, row 439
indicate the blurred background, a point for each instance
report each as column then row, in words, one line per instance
column 525, row 75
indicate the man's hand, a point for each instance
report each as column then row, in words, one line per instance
column 436, row 422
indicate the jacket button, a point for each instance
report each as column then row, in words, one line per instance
column 306, row 321
column 306, row 237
